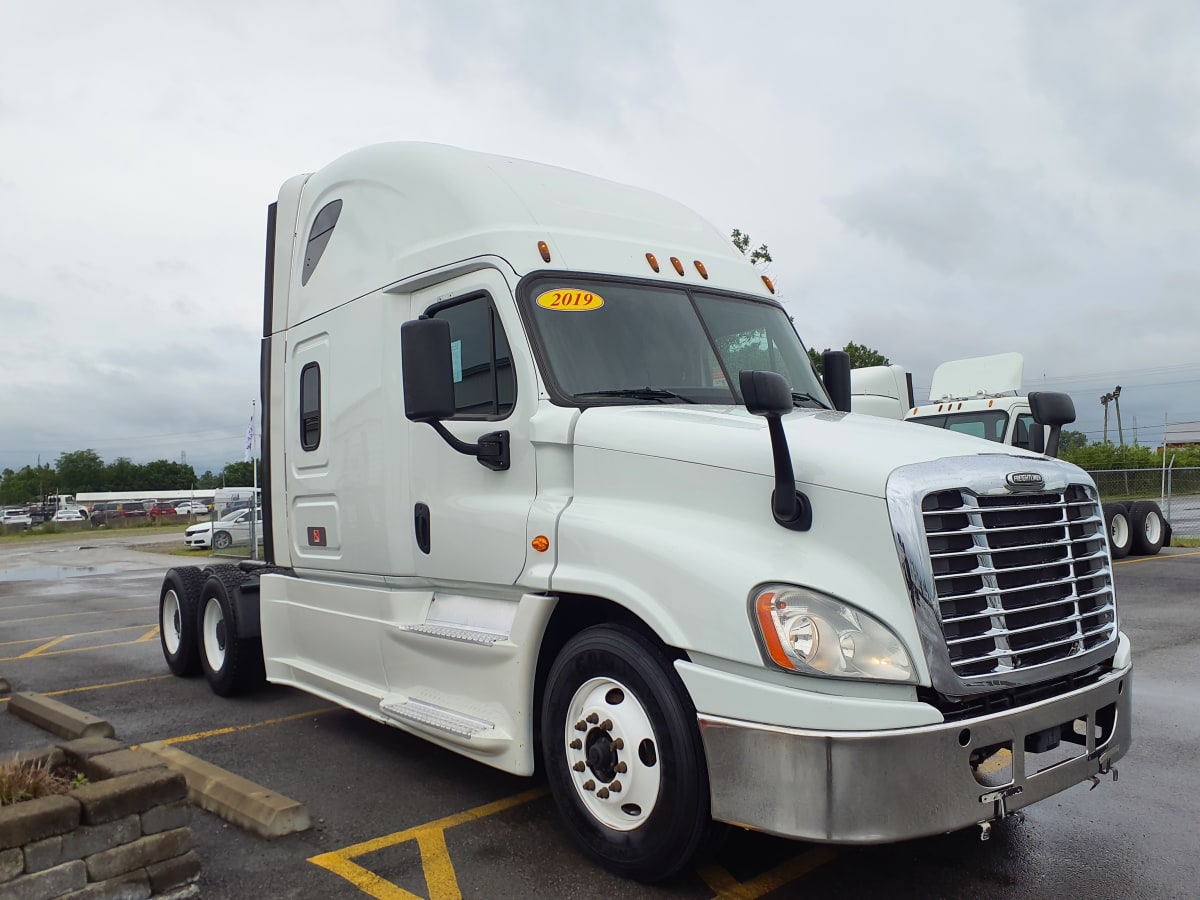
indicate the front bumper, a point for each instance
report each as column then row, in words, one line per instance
column 878, row 786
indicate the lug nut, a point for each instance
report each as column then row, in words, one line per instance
column 593, row 718
column 618, row 744
column 589, row 785
column 606, row 724
column 581, row 726
column 622, row 768
column 576, row 744
column 579, row 766
column 615, row 787
column 602, row 793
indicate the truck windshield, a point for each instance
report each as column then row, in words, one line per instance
column 611, row 342
column 986, row 424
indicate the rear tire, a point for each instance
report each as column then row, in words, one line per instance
column 231, row 664
column 631, row 784
column 1149, row 528
column 1120, row 535
column 177, row 619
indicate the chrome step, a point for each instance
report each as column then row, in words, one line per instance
column 456, row 633
column 438, row 717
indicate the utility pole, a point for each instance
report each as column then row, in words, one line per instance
column 1116, row 395
column 1105, row 401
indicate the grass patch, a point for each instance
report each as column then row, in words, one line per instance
column 1185, row 541
column 56, row 530
column 28, row 782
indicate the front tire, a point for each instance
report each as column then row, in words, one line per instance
column 623, row 754
column 177, row 619
column 222, row 540
column 231, row 664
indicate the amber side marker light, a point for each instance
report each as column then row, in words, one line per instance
column 763, row 607
column 541, row 543
column 700, row 268
column 650, row 258
column 769, row 283
column 677, row 264
column 544, row 249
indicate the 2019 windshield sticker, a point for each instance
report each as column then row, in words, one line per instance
column 569, row 300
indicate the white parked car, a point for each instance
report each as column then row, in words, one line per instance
column 70, row 515
column 16, row 517
column 191, row 508
column 232, row 528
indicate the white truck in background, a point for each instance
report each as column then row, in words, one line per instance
column 982, row 396
column 548, row 476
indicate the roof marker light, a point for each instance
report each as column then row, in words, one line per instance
column 544, row 249
column 769, row 283
column 700, row 268
column 650, row 258
column 677, row 264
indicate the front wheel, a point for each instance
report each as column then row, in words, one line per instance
column 623, row 754
column 222, row 540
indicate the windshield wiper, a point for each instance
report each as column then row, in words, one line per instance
column 802, row 399
column 645, row 393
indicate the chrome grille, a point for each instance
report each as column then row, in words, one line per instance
column 1022, row 579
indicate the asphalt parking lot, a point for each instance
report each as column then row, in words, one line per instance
column 393, row 816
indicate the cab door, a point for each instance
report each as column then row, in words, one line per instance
column 469, row 522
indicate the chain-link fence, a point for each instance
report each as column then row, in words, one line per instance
column 1177, row 492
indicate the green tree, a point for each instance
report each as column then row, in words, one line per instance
column 238, row 474
column 861, row 356
column 29, row 484
column 741, row 240
column 80, row 470
column 122, row 474
column 208, row 480
column 1071, row 440
column 167, row 475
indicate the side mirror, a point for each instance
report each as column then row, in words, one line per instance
column 768, row 394
column 428, row 370
column 1054, row 409
column 836, row 364
column 765, row 393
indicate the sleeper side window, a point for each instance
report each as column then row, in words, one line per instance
column 310, row 406
column 485, row 386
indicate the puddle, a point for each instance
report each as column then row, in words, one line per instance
column 55, row 573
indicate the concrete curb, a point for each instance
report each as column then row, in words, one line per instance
column 58, row 718
column 233, row 798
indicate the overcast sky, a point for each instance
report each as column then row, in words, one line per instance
column 934, row 179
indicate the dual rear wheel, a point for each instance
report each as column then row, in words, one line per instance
column 198, row 629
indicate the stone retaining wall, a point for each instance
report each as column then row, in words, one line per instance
column 123, row 835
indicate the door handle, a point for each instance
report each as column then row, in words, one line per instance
column 421, row 526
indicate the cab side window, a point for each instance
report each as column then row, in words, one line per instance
column 484, row 383
column 1027, row 434
column 310, row 406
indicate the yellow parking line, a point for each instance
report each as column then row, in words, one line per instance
column 1142, row 559
column 76, row 634
column 148, row 636
column 96, row 687
column 201, row 735
column 69, row 649
column 95, row 612
column 440, row 878
column 727, row 888
column 46, row 646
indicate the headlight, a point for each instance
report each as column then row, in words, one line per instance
column 803, row 631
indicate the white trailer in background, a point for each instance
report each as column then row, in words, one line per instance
column 548, row 477
column 982, row 397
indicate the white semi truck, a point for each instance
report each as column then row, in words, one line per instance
column 549, row 479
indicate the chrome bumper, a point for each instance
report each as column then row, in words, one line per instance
column 878, row 786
